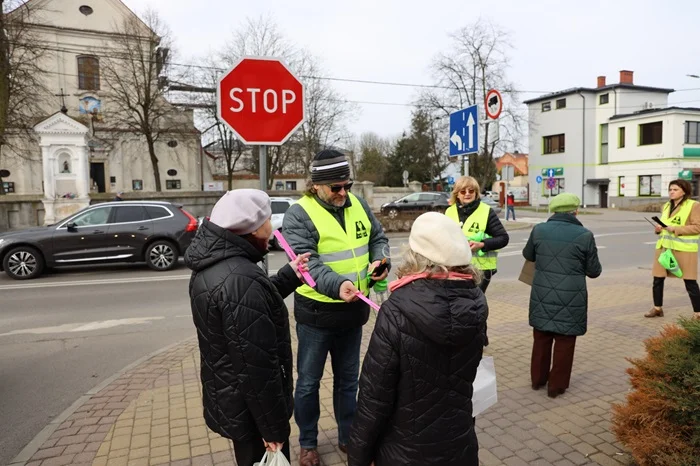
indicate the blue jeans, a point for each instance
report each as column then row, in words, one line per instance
column 314, row 345
column 510, row 209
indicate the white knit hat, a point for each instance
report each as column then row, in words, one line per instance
column 242, row 211
column 440, row 239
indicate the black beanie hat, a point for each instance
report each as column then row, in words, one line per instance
column 329, row 166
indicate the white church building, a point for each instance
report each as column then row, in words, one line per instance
column 77, row 149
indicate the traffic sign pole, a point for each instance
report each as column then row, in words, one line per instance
column 263, row 187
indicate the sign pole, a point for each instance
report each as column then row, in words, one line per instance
column 263, row 187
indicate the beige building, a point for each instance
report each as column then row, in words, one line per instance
column 80, row 144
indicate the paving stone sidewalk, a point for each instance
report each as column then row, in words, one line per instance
column 152, row 413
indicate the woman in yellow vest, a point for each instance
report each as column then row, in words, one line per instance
column 681, row 215
column 480, row 225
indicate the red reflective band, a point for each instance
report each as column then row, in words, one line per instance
column 193, row 224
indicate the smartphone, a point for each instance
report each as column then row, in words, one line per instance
column 658, row 220
column 378, row 271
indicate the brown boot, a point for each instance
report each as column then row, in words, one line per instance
column 309, row 457
column 655, row 312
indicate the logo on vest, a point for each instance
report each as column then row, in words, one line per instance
column 474, row 228
column 676, row 220
column 360, row 230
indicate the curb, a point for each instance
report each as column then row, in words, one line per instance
column 33, row 446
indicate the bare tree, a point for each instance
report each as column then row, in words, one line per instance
column 326, row 110
column 477, row 62
column 326, row 113
column 22, row 80
column 135, row 72
column 232, row 148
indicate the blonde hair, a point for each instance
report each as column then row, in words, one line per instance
column 414, row 263
column 464, row 182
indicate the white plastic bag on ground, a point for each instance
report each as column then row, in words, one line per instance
column 485, row 390
column 273, row 459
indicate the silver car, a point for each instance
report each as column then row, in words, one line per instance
column 491, row 203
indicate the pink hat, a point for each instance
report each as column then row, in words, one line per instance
column 242, row 211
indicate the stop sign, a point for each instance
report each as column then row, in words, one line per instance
column 261, row 100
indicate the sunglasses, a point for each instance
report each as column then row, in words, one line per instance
column 335, row 188
column 465, row 191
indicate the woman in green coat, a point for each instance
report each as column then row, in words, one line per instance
column 564, row 253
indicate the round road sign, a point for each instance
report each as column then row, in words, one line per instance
column 493, row 104
column 551, row 183
column 538, row 179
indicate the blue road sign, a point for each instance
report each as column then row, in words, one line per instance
column 550, row 172
column 451, row 180
column 538, row 179
column 464, row 131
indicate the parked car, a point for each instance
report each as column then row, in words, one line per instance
column 126, row 231
column 493, row 195
column 417, row 202
column 493, row 204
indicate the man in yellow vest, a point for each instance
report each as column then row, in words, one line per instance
column 346, row 242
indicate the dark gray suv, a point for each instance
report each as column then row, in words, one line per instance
column 126, row 231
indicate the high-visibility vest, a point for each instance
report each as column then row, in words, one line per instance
column 475, row 224
column 346, row 252
column 685, row 243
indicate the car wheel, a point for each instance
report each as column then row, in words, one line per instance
column 161, row 256
column 23, row 263
column 393, row 213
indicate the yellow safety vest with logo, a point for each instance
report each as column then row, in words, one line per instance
column 685, row 243
column 474, row 224
column 346, row 252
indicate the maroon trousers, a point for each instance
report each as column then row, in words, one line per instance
column 559, row 374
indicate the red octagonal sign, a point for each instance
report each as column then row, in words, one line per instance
column 261, row 101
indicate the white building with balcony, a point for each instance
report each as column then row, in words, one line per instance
column 615, row 144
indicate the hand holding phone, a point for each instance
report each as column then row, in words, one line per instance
column 378, row 271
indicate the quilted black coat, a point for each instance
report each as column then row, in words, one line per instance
column 414, row 406
column 244, row 339
column 565, row 253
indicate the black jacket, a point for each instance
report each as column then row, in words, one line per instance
column 414, row 406
column 494, row 228
column 302, row 235
column 244, row 339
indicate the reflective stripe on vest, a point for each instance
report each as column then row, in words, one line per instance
column 685, row 243
column 346, row 252
column 476, row 223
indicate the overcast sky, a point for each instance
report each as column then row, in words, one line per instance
column 558, row 43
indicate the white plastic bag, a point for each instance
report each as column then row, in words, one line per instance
column 485, row 390
column 273, row 459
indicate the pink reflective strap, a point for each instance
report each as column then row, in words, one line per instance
column 308, row 279
column 364, row 298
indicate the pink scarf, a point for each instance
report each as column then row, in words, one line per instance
column 396, row 284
